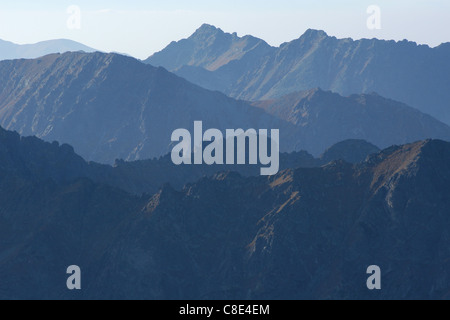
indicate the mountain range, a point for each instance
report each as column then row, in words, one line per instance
column 306, row 233
column 248, row 68
column 87, row 177
column 109, row 107
column 11, row 51
column 41, row 160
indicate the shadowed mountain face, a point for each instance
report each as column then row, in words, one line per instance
column 309, row 233
column 248, row 68
column 209, row 48
column 10, row 51
column 113, row 107
column 305, row 233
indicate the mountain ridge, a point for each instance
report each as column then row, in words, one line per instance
column 353, row 117
column 404, row 71
column 306, row 233
column 34, row 158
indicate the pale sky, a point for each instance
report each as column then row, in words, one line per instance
column 140, row 28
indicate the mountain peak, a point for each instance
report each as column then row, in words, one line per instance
column 313, row 34
column 207, row 26
column 207, row 29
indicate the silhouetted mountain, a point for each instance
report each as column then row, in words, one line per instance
column 351, row 151
column 248, row 68
column 326, row 118
column 112, row 107
column 305, row 233
column 11, row 51
column 32, row 158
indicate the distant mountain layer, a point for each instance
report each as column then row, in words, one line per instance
column 248, row 68
column 351, row 151
column 308, row 233
column 109, row 107
column 326, row 118
column 10, row 51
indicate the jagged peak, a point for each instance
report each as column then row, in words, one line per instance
column 207, row 29
column 314, row 33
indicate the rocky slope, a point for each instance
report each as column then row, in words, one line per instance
column 307, row 233
column 351, row 151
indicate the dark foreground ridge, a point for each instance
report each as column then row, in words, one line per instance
column 305, row 233
column 33, row 158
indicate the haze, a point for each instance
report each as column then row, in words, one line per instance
column 140, row 28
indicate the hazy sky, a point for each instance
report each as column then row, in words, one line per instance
column 140, row 28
